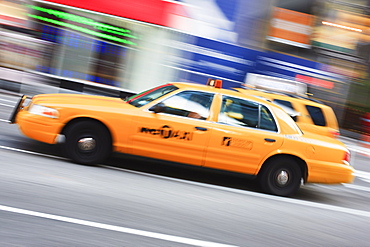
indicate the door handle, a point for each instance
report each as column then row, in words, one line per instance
column 270, row 140
column 201, row 128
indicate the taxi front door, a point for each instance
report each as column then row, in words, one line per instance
column 174, row 134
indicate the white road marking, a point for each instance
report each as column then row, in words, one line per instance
column 6, row 105
column 365, row 180
column 357, row 150
column 365, row 176
column 6, row 100
column 255, row 194
column 3, row 120
column 148, row 234
column 362, row 174
column 357, row 187
column 30, row 152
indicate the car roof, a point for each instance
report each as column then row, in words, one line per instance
column 230, row 92
column 285, row 96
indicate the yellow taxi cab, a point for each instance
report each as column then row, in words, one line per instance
column 201, row 125
column 310, row 115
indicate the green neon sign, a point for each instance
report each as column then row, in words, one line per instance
column 86, row 21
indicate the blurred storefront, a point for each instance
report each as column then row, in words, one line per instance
column 13, row 13
column 80, row 44
column 334, row 36
column 340, row 40
column 19, row 50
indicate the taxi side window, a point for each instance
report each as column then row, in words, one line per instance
column 267, row 121
column 192, row 104
column 244, row 113
column 317, row 115
column 238, row 112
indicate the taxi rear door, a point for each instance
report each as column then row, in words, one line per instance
column 244, row 135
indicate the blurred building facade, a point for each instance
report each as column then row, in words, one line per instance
column 143, row 43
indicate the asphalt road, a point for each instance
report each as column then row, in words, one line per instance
column 46, row 200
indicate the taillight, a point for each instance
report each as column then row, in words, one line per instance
column 347, row 157
column 334, row 133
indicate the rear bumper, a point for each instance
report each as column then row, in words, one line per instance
column 330, row 173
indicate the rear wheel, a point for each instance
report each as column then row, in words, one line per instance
column 87, row 142
column 281, row 176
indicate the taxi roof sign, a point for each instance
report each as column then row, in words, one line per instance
column 275, row 84
column 214, row 83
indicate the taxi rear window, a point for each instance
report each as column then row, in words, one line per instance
column 267, row 121
column 244, row 113
column 317, row 115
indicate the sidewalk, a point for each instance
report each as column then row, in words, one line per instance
column 26, row 83
column 32, row 83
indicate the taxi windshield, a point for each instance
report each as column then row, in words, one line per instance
column 145, row 97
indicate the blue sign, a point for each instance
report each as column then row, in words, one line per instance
column 201, row 58
column 204, row 58
column 288, row 67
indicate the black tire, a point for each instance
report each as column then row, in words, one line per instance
column 87, row 142
column 281, row 176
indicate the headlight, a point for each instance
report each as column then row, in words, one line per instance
column 43, row 111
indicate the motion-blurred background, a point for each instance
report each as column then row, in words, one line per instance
column 138, row 44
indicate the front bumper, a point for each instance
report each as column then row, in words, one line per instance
column 38, row 127
column 17, row 108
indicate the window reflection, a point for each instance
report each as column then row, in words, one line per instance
column 239, row 112
column 191, row 104
column 246, row 114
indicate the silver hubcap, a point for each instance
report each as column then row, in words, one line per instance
column 282, row 178
column 87, row 144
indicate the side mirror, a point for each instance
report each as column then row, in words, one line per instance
column 157, row 108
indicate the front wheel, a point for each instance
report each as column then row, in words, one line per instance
column 281, row 176
column 87, row 142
